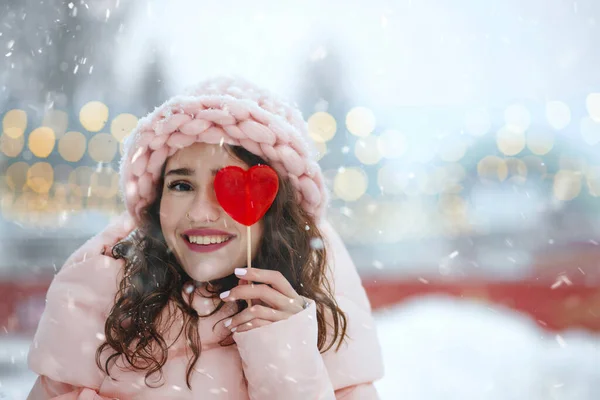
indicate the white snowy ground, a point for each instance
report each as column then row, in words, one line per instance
column 440, row 348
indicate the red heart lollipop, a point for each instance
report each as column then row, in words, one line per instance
column 246, row 195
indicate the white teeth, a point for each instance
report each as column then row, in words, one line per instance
column 204, row 240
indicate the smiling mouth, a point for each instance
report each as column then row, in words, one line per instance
column 208, row 240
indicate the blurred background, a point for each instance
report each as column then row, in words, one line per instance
column 460, row 141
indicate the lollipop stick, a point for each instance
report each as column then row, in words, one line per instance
column 249, row 263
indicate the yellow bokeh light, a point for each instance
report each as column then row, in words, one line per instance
column 102, row 147
column 367, row 150
column 510, row 141
column 592, row 103
column 56, row 120
column 104, row 183
column 540, row 142
column 492, row 168
column 567, row 184
column 322, row 125
column 391, row 180
column 93, row 116
column 14, row 123
column 40, row 177
column 452, row 149
column 16, row 175
column 392, row 144
column 590, row 130
column 72, row 146
column 350, row 183
column 517, row 117
column 41, row 141
column 360, row 121
column 10, row 146
column 477, row 122
column 122, row 126
column 558, row 114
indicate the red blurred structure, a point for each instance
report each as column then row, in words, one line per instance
column 563, row 291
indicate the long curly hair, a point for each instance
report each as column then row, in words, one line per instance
column 154, row 284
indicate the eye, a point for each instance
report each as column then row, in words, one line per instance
column 180, row 186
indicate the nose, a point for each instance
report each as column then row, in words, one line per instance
column 205, row 207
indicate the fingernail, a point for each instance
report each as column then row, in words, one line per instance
column 224, row 294
column 228, row 322
column 234, row 329
column 241, row 271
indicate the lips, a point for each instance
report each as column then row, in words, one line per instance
column 206, row 240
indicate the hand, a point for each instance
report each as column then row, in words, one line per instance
column 277, row 299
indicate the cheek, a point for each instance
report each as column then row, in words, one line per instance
column 169, row 214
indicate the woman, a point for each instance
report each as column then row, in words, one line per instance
column 155, row 307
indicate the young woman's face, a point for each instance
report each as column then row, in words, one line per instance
column 206, row 241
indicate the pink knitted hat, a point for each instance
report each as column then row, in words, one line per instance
column 222, row 110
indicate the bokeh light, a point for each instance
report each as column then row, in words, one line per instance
column 14, row 123
column 517, row 117
column 492, row 169
column 350, row 183
column 122, row 125
column 540, row 142
column 102, row 147
column 41, row 141
column 16, row 175
column 56, row 120
column 12, row 147
column 367, row 150
column 72, row 146
column 392, row 144
column 567, row 184
column 558, row 114
column 510, row 141
column 590, row 130
column 477, row 122
column 93, row 116
column 40, row 177
column 592, row 103
column 322, row 125
column 360, row 121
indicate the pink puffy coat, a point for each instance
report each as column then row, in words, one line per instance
column 277, row 361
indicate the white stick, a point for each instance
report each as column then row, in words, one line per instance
column 249, row 263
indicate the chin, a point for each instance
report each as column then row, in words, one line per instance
column 206, row 273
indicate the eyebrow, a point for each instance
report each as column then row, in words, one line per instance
column 188, row 171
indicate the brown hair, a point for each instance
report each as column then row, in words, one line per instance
column 154, row 281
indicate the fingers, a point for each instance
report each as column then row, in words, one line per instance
column 273, row 278
column 255, row 323
column 264, row 293
column 254, row 313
